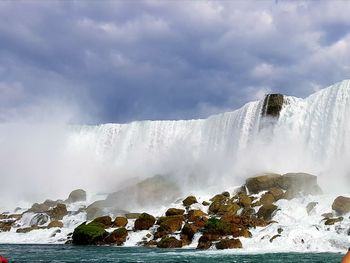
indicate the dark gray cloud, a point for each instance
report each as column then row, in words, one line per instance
column 118, row 61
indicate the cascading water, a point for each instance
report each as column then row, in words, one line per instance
column 311, row 135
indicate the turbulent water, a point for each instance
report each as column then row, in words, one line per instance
column 70, row 254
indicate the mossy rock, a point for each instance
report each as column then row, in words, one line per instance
column 217, row 226
column 89, row 234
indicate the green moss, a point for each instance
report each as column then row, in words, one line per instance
column 216, row 226
column 87, row 234
column 121, row 231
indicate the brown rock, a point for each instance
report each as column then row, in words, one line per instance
column 77, row 196
column 265, row 212
column 189, row 230
column 341, row 205
column 144, row 222
column 58, row 212
column 117, row 237
column 169, row 242
column 205, row 203
column 262, row 183
column 204, row 243
column 195, row 214
column 172, row 223
column 244, row 200
column 174, row 212
column 274, row 237
column 332, row 221
column 55, row 223
column 228, row 244
column 190, row 200
column 277, row 193
column 132, row 215
column 120, row 221
column 267, row 199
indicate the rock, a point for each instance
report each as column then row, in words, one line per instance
column 341, row 205
column 266, row 211
column 195, row 214
column 189, row 230
column 242, row 233
column 120, row 221
column 205, row 203
column 144, row 222
column 169, row 242
column 310, row 206
column 272, row 105
column 332, row 221
column 28, row 229
column 217, row 227
column 55, row 223
column 189, row 200
column 172, row 223
column 204, row 243
column 77, row 196
column 5, row 226
column 279, row 230
column 106, row 221
column 174, row 212
column 151, row 243
column 132, row 215
column 58, row 212
column 227, row 194
column 262, row 183
column 267, row 199
column 39, row 219
column 93, row 211
column 50, row 203
column 277, row 193
column 89, row 234
column 244, row 200
column 39, row 208
column 117, row 237
column 327, row 215
column 306, row 183
column 221, row 205
column 274, row 237
column 228, row 244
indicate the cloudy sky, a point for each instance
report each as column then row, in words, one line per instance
column 118, row 61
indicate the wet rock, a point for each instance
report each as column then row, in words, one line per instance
column 204, row 243
column 55, row 223
column 172, row 223
column 242, row 233
column 266, row 211
column 189, row 200
column 39, row 208
column 117, row 237
column 106, row 221
column 274, row 237
column 227, row 194
column 267, row 199
column 262, row 183
column 277, row 193
column 77, row 195
column 195, row 214
column 332, row 221
column 144, row 222
column 169, row 242
column 228, row 244
column 341, row 205
column 217, row 227
column 58, row 212
column 28, row 229
column 120, row 221
column 244, row 200
column 189, row 230
column 132, row 215
column 205, row 203
column 89, row 234
column 174, row 212
column 5, row 226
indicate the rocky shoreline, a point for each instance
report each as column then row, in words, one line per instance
column 222, row 222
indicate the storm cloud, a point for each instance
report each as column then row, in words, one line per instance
column 119, row 61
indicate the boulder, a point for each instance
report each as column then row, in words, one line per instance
column 55, row 223
column 267, row 199
column 228, row 244
column 195, row 214
column 266, row 211
column 172, row 223
column 93, row 211
column 174, row 212
column 217, row 227
column 132, row 215
column 169, row 242
column 262, row 183
column 58, row 212
column 277, row 193
column 106, row 221
column 5, row 226
column 189, row 200
column 204, row 242
column 274, row 237
column 39, row 208
column 244, row 200
column 120, row 221
column 117, row 237
column 89, row 234
column 341, row 205
column 28, row 229
column 272, row 105
column 144, row 222
column 205, row 203
column 77, row 196
column 189, row 230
